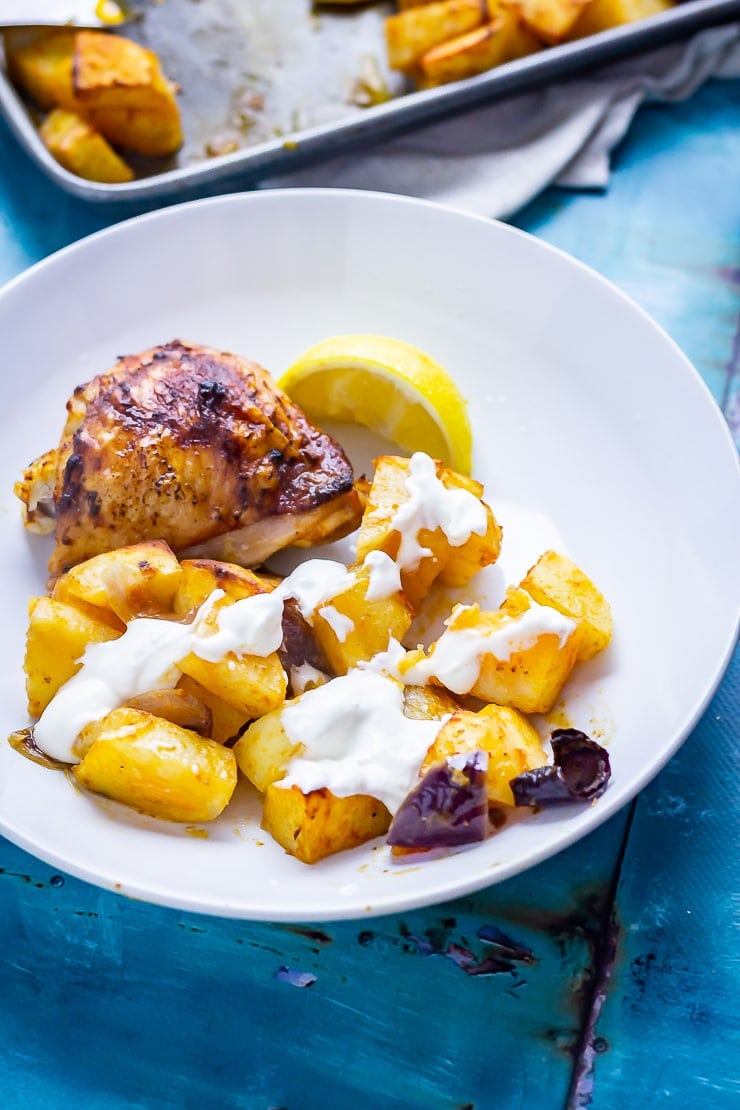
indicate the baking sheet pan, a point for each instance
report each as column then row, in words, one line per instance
column 268, row 85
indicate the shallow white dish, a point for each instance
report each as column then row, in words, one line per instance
column 582, row 409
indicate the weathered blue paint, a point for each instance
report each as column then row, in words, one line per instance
column 106, row 1002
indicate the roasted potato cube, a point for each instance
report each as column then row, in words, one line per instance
column 200, row 577
column 527, row 677
column 600, row 15
column 58, row 634
column 349, row 627
column 264, row 751
column 427, row 703
column 503, row 40
column 555, row 580
column 252, row 684
column 140, row 580
column 512, row 744
column 111, row 71
column 410, row 34
column 114, row 83
column 549, row 20
column 155, row 132
column 82, row 150
column 40, row 63
column 313, row 826
column 226, row 721
column 455, row 566
column 156, row 767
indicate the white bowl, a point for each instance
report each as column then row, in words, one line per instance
column 582, row 408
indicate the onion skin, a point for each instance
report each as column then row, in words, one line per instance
column 580, row 773
column 447, row 808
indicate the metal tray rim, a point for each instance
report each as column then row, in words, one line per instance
column 382, row 121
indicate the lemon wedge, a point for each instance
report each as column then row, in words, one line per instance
column 389, row 386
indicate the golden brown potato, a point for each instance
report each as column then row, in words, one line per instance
column 555, row 580
column 373, row 623
column 58, row 634
column 549, row 20
column 410, row 34
column 512, row 744
column 313, row 826
column 140, row 580
column 156, row 767
column 529, row 678
column 600, row 15
column 200, row 577
column 226, row 721
column 492, row 44
column 264, row 750
column 454, row 566
column 252, row 684
column 114, row 83
column 427, row 703
column 76, row 145
column 40, row 63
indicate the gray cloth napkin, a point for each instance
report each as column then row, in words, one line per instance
column 493, row 160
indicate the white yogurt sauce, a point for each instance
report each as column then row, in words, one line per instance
column 457, row 512
column 384, row 576
column 340, row 624
column 356, row 739
column 455, row 659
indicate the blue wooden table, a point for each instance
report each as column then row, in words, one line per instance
column 604, row 977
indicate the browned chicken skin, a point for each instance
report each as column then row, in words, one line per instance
column 193, row 446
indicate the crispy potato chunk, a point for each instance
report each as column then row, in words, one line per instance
column 58, row 634
column 492, row 44
column 253, row 684
column 529, row 677
column 136, row 581
column 512, row 744
column 555, row 580
column 264, row 751
column 313, row 826
column 454, row 566
column 200, row 577
column 40, row 63
column 82, row 150
column 156, row 767
column 114, row 83
column 373, row 623
column 226, row 720
column 600, row 15
column 411, row 33
column 427, row 703
column 549, row 20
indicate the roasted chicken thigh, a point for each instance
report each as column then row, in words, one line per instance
column 193, row 446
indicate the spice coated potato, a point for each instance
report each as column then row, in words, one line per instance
column 264, row 750
column 454, row 566
column 200, row 577
column 374, row 622
column 115, row 84
column 82, row 150
column 411, row 33
column 136, row 581
column 555, row 580
column 156, row 767
column 511, row 741
column 549, row 20
column 313, row 826
column 57, row 636
column 492, row 44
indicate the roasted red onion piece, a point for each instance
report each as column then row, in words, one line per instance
column 447, row 808
column 580, row 773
